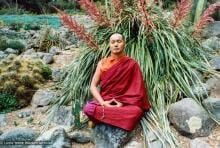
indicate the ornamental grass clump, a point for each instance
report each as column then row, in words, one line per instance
column 168, row 53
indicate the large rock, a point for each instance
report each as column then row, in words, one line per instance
column 54, row 138
column 212, row 43
column 213, row 29
column 109, row 136
column 2, row 55
column 215, row 62
column 64, row 116
column 56, row 74
column 22, row 135
column 43, row 98
column 190, row 119
column 48, row 58
column 3, row 120
column 201, row 91
column 213, row 104
column 54, row 50
column 213, row 84
column 81, row 136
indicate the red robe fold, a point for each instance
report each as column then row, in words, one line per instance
column 124, row 82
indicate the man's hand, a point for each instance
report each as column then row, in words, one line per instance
column 112, row 103
column 118, row 104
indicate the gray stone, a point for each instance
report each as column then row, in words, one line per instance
column 215, row 62
column 190, row 119
column 212, row 43
column 64, row 116
column 18, row 135
column 43, row 97
column 80, row 136
column 3, row 120
column 24, row 114
column 40, row 54
column 29, row 52
column 54, row 50
column 201, row 91
column 2, row 55
column 56, row 74
column 213, row 104
column 47, row 58
column 154, row 140
column 213, row 29
column 134, row 144
column 11, row 51
column 198, row 143
column 109, row 136
column 213, row 85
column 55, row 138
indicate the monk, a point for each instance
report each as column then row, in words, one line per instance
column 122, row 98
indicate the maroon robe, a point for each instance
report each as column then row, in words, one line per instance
column 124, row 82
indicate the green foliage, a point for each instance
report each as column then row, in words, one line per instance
column 13, row 11
column 46, row 71
column 16, row 44
column 32, row 26
column 48, row 39
column 31, row 19
column 197, row 9
column 22, row 77
column 16, row 26
column 3, row 43
column 8, row 102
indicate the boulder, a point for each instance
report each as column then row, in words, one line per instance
column 81, row 136
column 19, row 137
column 215, row 62
column 43, row 97
column 53, row 138
column 64, row 116
column 190, row 119
column 213, row 105
column 213, row 29
column 109, row 136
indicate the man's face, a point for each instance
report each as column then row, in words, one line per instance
column 116, row 44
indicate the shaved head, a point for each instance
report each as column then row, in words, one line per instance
column 116, row 36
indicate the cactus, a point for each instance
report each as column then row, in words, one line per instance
column 22, row 77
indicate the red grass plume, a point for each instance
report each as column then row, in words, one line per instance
column 94, row 12
column 78, row 29
column 206, row 18
column 181, row 12
column 118, row 5
column 145, row 16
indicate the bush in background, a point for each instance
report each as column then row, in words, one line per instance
column 8, row 103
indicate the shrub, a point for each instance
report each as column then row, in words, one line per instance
column 22, row 77
column 8, row 102
column 16, row 26
column 16, row 44
column 3, row 43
